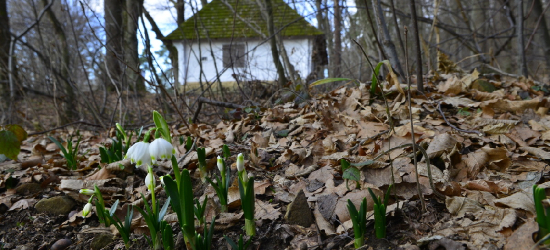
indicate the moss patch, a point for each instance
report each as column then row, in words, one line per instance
column 216, row 20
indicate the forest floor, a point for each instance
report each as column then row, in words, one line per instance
column 487, row 138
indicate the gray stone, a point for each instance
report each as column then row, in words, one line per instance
column 28, row 188
column 299, row 212
column 60, row 205
column 101, row 240
column 327, row 204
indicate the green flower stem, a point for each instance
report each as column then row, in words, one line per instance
column 359, row 242
column 246, row 190
column 182, row 204
column 543, row 214
column 153, row 200
column 250, row 227
column 99, row 197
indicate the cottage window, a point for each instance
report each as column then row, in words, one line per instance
column 234, row 55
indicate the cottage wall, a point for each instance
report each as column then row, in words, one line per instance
column 258, row 60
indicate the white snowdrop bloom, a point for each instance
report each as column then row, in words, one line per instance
column 160, row 149
column 86, row 191
column 162, row 180
column 139, row 154
column 220, row 164
column 87, row 209
column 150, row 182
column 240, row 162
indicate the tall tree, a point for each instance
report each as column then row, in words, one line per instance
column 387, row 44
column 522, row 61
column 5, row 40
column 273, row 42
column 69, row 105
column 336, row 55
column 131, row 53
column 113, row 40
column 543, row 34
column 419, row 78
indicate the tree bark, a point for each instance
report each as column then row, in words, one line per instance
column 131, row 53
column 5, row 39
column 180, row 12
column 389, row 47
column 419, row 78
column 522, row 61
column 69, row 106
column 273, row 42
column 113, row 40
column 336, row 55
column 543, row 34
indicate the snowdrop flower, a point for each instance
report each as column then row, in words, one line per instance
column 220, row 164
column 240, row 162
column 87, row 192
column 87, row 209
column 150, row 181
column 161, row 149
column 139, row 154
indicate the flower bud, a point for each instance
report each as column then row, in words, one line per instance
column 86, row 191
column 240, row 162
column 150, row 181
column 87, row 209
column 220, row 163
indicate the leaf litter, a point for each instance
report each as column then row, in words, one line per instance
column 486, row 150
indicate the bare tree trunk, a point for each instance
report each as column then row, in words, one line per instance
column 389, row 47
column 419, row 78
column 286, row 60
column 131, row 53
column 273, row 41
column 544, row 35
column 113, row 39
column 5, row 39
column 522, row 61
column 204, row 3
column 337, row 51
column 173, row 52
column 69, row 106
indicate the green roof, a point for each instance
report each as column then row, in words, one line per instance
column 217, row 20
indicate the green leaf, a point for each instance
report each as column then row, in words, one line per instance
column 226, row 151
column 161, row 123
column 282, row 133
column 352, row 173
column 374, row 81
column 231, row 243
column 10, row 145
column 364, row 163
column 18, row 131
column 344, row 164
column 327, row 80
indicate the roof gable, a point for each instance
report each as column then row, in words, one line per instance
column 217, row 20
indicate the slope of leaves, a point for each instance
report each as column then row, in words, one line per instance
column 487, row 149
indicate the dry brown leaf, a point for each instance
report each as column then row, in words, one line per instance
column 266, row 211
column 538, row 152
column 459, row 206
column 520, row 200
column 22, row 204
column 522, row 238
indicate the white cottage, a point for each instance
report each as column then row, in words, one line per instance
column 226, row 38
